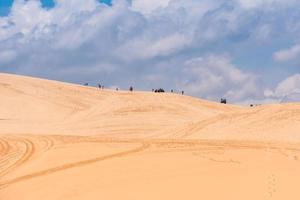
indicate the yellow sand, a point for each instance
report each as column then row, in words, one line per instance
column 65, row 141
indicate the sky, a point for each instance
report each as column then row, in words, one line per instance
column 247, row 51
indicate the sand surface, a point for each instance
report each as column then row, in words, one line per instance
column 65, row 141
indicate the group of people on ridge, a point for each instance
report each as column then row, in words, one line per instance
column 160, row 90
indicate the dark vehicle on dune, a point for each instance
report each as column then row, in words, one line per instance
column 160, row 90
column 224, row 101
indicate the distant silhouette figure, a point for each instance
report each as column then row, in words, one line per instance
column 251, row 105
column 102, row 86
column 182, row 92
column 224, row 101
column 172, row 91
column 99, row 86
column 131, row 89
column 117, row 89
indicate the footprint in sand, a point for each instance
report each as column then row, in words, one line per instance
column 271, row 185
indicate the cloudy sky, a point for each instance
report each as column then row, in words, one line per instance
column 244, row 50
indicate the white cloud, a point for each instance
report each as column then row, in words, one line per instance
column 146, row 6
column 27, row 16
column 288, row 86
column 288, row 90
column 75, row 6
column 214, row 77
column 160, row 47
column 250, row 4
column 287, row 54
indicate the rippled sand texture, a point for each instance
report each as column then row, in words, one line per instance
column 64, row 141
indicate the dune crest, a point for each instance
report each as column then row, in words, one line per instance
column 36, row 106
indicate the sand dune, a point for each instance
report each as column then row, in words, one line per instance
column 66, row 141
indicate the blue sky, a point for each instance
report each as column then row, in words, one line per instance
column 5, row 5
column 244, row 50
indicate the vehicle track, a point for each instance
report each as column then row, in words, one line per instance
column 73, row 165
column 4, row 146
column 7, row 158
column 163, row 144
column 44, row 143
column 195, row 127
column 29, row 150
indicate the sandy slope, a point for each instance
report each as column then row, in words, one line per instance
column 64, row 141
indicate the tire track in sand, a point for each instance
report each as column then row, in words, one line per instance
column 4, row 146
column 28, row 152
column 73, row 165
column 195, row 127
column 7, row 158
column 144, row 144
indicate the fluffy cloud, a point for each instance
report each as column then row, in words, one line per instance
column 288, row 90
column 214, row 77
column 250, row 4
column 161, row 47
column 178, row 44
column 288, row 54
column 146, row 6
column 288, row 86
